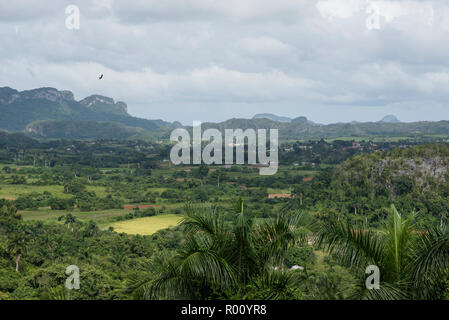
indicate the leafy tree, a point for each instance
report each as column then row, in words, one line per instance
column 74, row 187
column 412, row 263
column 202, row 171
column 69, row 220
column 16, row 179
column 16, row 245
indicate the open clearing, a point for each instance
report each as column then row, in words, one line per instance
column 147, row 225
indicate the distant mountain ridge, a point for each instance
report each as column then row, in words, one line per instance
column 387, row 119
column 300, row 128
column 52, row 113
column 390, row 119
column 277, row 118
column 21, row 109
column 272, row 117
column 99, row 103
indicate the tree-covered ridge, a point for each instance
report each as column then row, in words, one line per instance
column 74, row 129
column 414, row 179
column 19, row 109
column 301, row 128
column 396, row 172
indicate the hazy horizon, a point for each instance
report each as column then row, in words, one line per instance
column 250, row 116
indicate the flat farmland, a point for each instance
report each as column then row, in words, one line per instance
column 13, row 191
column 147, row 225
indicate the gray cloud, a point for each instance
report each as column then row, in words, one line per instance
column 211, row 60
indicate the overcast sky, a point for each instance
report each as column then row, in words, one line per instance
column 328, row 60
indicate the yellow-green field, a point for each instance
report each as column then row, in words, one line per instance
column 11, row 191
column 147, row 225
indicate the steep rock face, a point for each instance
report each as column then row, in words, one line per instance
column 50, row 94
column 418, row 169
column 100, row 103
column 8, row 95
column 421, row 170
column 36, row 129
column 122, row 105
column 93, row 99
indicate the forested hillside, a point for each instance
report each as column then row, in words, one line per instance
column 414, row 179
column 301, row 128
column 19, row 109
column 74, row 129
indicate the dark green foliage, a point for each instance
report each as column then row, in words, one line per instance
column 221, row 260
column 46, row 250
column 413, row 263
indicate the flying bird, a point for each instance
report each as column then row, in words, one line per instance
column 101, row 77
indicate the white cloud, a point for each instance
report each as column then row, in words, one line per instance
column 342, row 9
column 179, row 59
column 143, row 10
column 390, row 10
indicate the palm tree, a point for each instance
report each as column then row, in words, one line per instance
column 221, row 256
column 58, row 293
column 409, row 260
column 16, row 246
column 118, row 256
column 69, row 220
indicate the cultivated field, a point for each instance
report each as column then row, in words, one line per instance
column 147, row 225
column 12, row 192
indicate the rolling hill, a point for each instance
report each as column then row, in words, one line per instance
column 301, row 128
column 75, row 129
column 272, row 117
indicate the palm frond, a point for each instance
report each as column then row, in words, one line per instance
column 273, row 284
column 206, row 265
column 387, row 291
column 431, row 261
column 355, row 247
column 163, row 281
column 398, row 239
column 202, row 219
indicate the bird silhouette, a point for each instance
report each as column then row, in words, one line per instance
column 101, row 77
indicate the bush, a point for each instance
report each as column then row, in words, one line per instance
column 61, row 204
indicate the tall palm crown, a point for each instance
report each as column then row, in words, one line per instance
column 16, row 245
column 412, row 263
